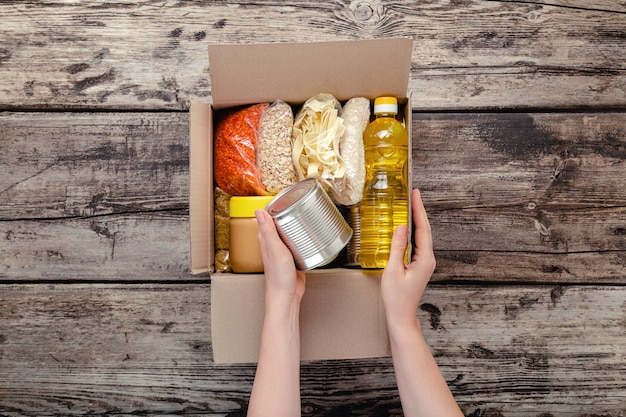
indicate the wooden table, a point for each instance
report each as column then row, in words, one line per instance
column 520, row 151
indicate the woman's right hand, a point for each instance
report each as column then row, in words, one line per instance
column 403, row 285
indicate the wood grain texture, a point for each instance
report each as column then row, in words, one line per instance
column 141, row 246
column 467, row 55
column 99, row 314
column 94, row 196
column 135, row 349
column 86, row 195
column 60, row 165
column 536, row 196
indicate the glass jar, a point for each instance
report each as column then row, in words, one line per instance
column 245, row 253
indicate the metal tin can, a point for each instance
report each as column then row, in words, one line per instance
column 353, row 217
column 309, row 224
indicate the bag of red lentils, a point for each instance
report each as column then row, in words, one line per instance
column 235, row 145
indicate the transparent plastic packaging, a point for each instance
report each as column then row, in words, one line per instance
column 222, row 230
column 385, row 196
column 274, row 159
column 317, row 131
column 235, row 166
column 348, row 189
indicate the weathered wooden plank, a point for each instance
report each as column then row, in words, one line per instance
column 526, row 161
column 56, row 165
column 83, row 196
column 145, row 349
column 498, row 184
column 601, row 5
column 79, row 164
column 156, row 246
column 152, row 246
column 469, row 55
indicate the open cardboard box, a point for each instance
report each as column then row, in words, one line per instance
column 342, row 314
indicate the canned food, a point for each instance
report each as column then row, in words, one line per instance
column 309, row 224
column 353, row 217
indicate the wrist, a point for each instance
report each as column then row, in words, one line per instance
column 282, row 305
column 403, row 325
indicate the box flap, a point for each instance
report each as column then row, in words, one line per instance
column 341, row 316
column 201, row 175
column 293, row 72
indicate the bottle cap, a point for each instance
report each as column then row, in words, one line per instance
column 246, row 206
column 386, row 105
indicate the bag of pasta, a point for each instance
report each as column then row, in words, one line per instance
column 316, row 134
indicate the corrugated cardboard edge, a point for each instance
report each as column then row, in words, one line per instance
column 201, row 175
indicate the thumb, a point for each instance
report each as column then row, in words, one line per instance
column 268, row 235
column 398, row 246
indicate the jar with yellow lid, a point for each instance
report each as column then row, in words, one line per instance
column 245, row 254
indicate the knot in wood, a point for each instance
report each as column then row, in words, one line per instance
column 533, row 16
column 364, row 11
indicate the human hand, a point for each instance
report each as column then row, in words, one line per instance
column 403, row 285
column 276, row 387
column 284, row 284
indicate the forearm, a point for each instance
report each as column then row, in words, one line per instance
column 276, row 388
column 423, row 390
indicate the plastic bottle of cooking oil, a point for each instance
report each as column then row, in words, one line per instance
column 385, row 196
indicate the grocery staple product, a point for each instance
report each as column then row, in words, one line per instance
column 222, row 230
column 245, row 252
column 235, row 166
column 348, row 190
column 274, row 159
column 317, row 130
column 385, row 196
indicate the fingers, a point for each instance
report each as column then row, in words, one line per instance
column 423, row 234
column 399, row 242
column 265, row 221
column 269, row 240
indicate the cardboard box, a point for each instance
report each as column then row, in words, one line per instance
column 342, row 314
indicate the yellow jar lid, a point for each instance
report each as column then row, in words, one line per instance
column 246, row 206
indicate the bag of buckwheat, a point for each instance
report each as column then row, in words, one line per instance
column 222, row 230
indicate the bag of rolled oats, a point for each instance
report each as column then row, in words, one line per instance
column 273, row 157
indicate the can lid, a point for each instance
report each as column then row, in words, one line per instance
column 292, row 195
column 386, row 105
column 246, row 206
